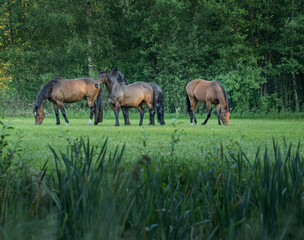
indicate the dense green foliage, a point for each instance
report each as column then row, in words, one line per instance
column 255, row 48
column 91, row 193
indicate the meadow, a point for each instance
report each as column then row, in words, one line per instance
column 178, row 181
column 190, row 142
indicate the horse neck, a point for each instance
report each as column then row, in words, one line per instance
column 45, row 92
column 110, row 84
column 222, row 100
column 224, row 107
column 40, row 101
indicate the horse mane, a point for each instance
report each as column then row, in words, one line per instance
column 119, row 76
column 45, row 92
column 225, row 94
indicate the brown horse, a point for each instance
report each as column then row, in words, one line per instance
column 208, row 92
column 132, row 95
column 59, row 91
column 157, row 91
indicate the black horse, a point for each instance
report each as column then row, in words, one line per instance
column 158, row 97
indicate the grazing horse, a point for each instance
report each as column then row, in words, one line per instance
column 60, row 90
column 208, row 92
column 158, row 96
column 132, row 95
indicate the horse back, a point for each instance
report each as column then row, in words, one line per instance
column 72, row 90
column 137, row 92
column 140, row 87
column 202, row 90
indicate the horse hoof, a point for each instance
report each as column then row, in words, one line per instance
column 67, row 124
column 191, row 123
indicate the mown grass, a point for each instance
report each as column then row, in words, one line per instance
column 194, row 142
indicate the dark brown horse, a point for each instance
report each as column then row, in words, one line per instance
column 59, row 91
column 158, row 97
column 132, row 95
column 208, row 92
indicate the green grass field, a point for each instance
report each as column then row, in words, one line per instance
column 190, row 142
column 184, row 189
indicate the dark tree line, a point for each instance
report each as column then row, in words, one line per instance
column 255, row 48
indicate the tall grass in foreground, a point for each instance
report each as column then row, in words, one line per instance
column 92, row 195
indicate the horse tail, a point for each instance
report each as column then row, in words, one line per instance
column 161, row 110
column 154, row 102
column 99, row 107
column 153, row 86
column 154, row 91
column 188, row 103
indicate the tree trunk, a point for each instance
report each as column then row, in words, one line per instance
column 89, row 13
column 11, row 30
column 294, row 82
column 285, row 99
column 295, row 94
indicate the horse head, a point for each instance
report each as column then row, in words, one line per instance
column 102, row 77
column 39, row 115
column 224, row 116
column 119, row 77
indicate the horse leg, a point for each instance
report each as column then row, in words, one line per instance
column 158, row 112
column 208, row 104
column 57, row 114
column 194, row 104
column 125, row 112
column 141, row 113
column 152, row 113
column 92, row 107
column 62, row 109
column 116, row 109
column 162, row 115
column 151, row 117
column 218, row 112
